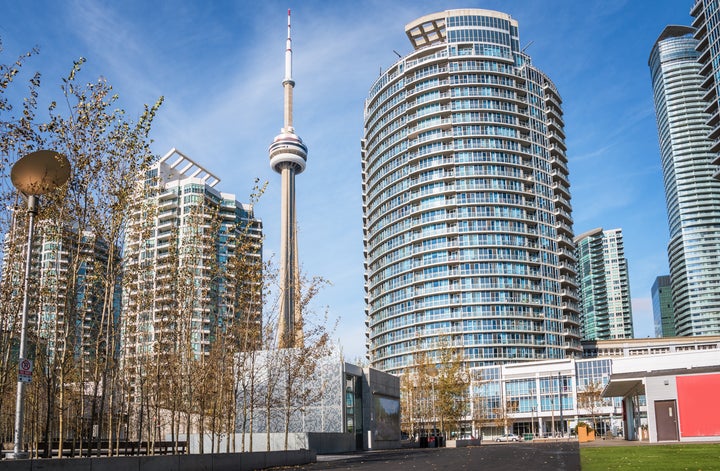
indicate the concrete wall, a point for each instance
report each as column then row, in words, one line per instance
column 296, row 441
column 379, row 384
column 316, row 441
column 215, row 462
column 325, row 443
column 683, row 360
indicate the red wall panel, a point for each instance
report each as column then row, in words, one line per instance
column 699, row 405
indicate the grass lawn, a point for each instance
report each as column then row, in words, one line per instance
column 696, row 456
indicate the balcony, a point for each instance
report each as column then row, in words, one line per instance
column 710, row 95
column 706, row 69
column 698, row 11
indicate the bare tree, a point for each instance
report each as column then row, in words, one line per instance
column 504, row 415
column 591, row 400
column 105, row 151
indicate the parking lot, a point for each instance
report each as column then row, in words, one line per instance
column 549, row 456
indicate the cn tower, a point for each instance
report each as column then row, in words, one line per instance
column 288, row 155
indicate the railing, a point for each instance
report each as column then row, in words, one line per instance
column 71, row 448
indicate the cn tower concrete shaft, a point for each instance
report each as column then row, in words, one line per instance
column 288, row 155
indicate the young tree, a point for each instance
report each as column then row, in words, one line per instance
column 478, row 415
column 453, row 382
column 408, row 404
column 106, row 152
column 301, row 363
column 504, row 415
column 423, row 402
column 591, row 400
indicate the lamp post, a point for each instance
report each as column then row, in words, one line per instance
column 532, row 410
column 560, row 396
column 33, row 175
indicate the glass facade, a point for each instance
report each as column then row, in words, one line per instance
column 707, row 33
column 541, row 399
column 65, row 263
column 185, row 244
column 605, row 309
column 662, row 301
column 467, row 219
column 692, row 195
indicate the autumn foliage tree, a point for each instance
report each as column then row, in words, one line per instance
column 435, row 392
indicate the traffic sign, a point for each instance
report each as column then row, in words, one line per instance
column 25, row 368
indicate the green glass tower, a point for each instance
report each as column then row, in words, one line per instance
column 605, row 308
column 662, row 302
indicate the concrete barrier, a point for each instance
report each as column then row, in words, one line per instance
column 468, row 442
column 206, row 462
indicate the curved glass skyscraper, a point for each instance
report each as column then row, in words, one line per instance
column 467, row 219
column 692, row 195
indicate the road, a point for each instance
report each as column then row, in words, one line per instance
column 552, row 456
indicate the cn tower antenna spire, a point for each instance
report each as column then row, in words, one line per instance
column 288, row 156
column 288, row 55
column 288, row 82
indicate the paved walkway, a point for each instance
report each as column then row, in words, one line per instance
column 559, row 456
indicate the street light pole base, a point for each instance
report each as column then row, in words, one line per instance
column 22, row 455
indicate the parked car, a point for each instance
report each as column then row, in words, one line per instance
column 508, row 437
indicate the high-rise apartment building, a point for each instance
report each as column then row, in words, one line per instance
column 67, row 281
column 662, row 302
column 692, row 195
column 190, row 254
column 467, row 220
column 707, row 33
column 604, row 293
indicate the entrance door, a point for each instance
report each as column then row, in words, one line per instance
column 666, row 420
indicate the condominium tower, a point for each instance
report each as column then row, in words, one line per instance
column 707, row 33
column 604, row 286
column 692, row 195
column 191, row 253
column 467, row 219
column 67, row 277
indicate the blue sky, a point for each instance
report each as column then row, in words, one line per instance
column 219, row 65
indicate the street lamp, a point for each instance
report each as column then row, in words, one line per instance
column 560, row 398
column 33, row 175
